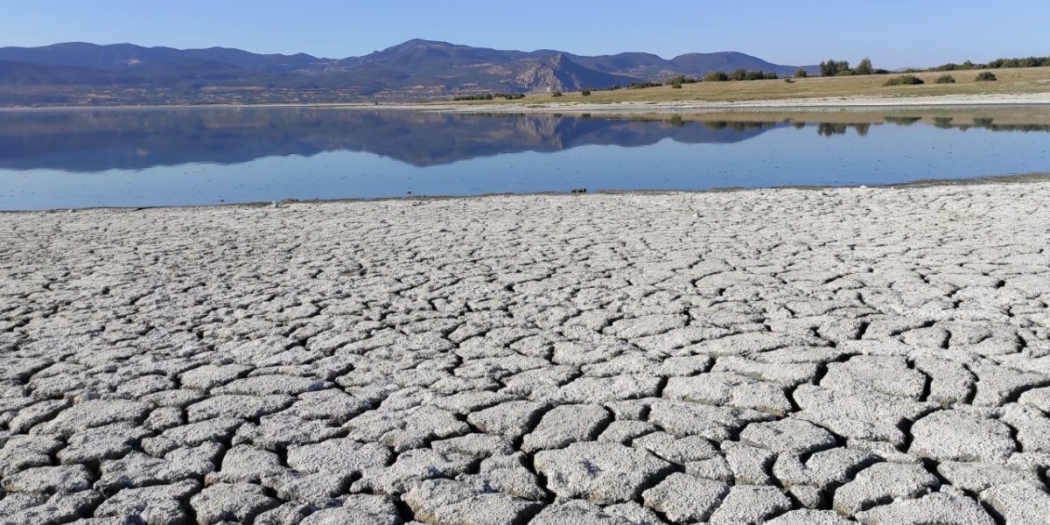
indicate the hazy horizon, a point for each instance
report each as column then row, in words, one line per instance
column 893, row 33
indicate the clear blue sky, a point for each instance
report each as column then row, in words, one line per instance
column 893, row 33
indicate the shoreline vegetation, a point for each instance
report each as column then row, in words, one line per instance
column 904, row 89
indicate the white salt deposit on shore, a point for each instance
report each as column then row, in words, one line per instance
column 770, row 356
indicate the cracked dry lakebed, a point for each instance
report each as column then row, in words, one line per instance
column 790, row 357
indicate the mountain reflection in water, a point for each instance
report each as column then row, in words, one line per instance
column 92, row 141
column 84, row 141
column 155, row 157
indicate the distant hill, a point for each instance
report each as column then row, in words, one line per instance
column 651, row 67
column 433, row 67
column 701, row 63
column 413, row 69
column 28, row 74
column 122, row 57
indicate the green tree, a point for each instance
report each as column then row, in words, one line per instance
column 864, row 67
column 834, row 68
column 827, row 68
column 716, row 76
column 801, row 73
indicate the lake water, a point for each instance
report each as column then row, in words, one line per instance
column 73, row 159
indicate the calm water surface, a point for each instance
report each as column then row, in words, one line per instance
column 72, row 159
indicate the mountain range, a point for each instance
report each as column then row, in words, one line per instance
column 414, row 69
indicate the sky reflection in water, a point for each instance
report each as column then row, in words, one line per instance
column 71, row 159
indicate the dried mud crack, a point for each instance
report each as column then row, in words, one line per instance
column 875, row 356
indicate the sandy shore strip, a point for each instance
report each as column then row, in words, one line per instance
column 541, row 103
column 858, row 355
column 545, row 105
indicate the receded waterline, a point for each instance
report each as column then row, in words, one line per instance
column 78, row 159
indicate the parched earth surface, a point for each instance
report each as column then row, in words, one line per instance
column 876, row 356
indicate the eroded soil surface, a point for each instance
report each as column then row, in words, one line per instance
column 790, row 357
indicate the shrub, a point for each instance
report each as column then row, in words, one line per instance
column 716, row 76
column 904, row 80
column 1019, row 62
column 801, row 73
column 556, row 94
column 681, row 79
column 986, row 76
column 586, row 92
column 644, row 85
column 789, row 80
column 739, row 74
column 482, row 96
column 676, row 86
column 945, row 79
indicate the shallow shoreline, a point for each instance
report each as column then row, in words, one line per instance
column 1023, row 178
column 793, row 355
